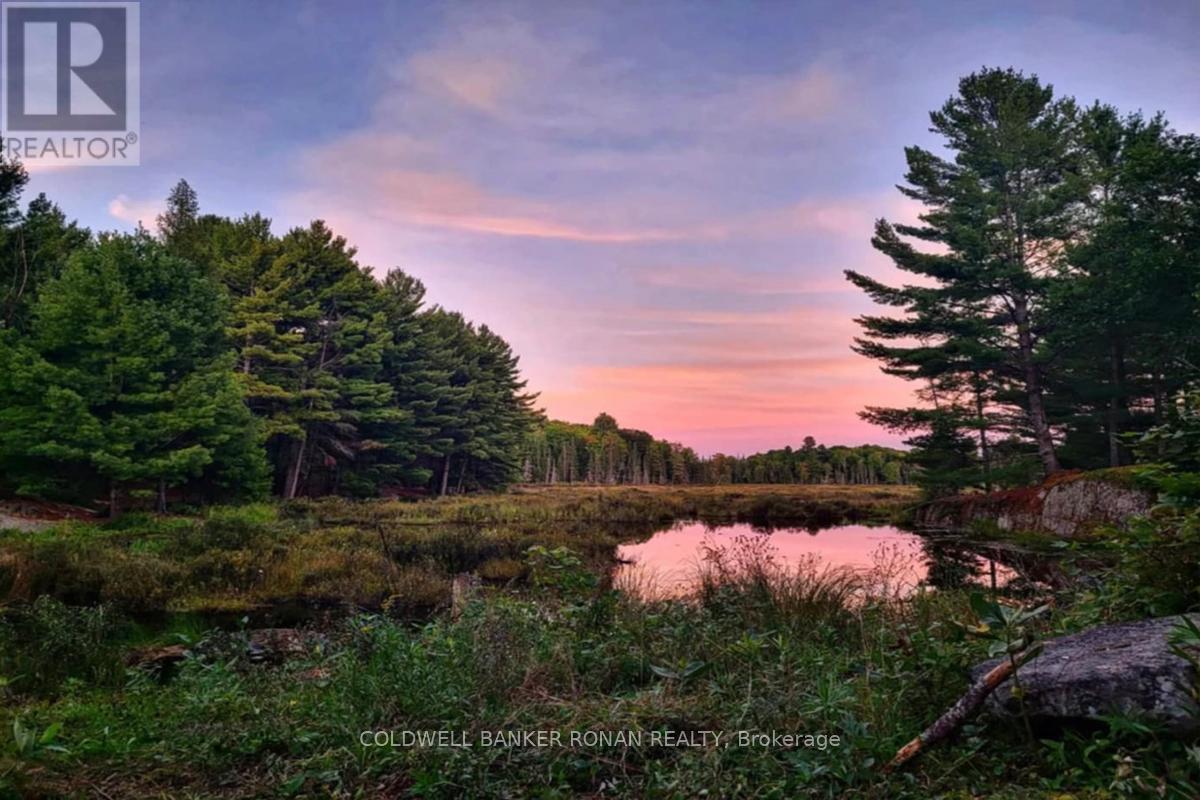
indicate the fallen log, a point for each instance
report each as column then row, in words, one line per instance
column 960, row 712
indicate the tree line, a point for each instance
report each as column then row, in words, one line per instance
column 604, row 453
column 218, row 360
column 1054, row 314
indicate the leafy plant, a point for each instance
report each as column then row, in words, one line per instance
column 1007, row 629
column 28, row 742
column 45, row 644
column 560, row 569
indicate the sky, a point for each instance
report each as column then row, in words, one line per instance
column 652, row 202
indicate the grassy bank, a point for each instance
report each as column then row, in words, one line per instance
column 759, row 650
column 368, row 554
column 544, row 644
column 539, row 505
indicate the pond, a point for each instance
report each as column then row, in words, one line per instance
column 670, row 561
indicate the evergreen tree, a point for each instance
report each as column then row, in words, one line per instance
column 177, row 225
column 124, row 378
column 326, row 373
column 17, row 275
column 37, row 249
column 414, row 365
column 485, row 412
column 1128, row 311
column 1004, row 211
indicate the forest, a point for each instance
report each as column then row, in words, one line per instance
column 603, row 453
column 218, row 361
column 215, row 360
column 1051, row 322
column 1054, row 313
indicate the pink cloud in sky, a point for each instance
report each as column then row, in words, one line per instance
column 734, row 382
column 684, row 288
column 127, row 209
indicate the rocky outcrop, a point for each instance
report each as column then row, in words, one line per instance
column 1128, row 669
column 1070, row 505
column 273, row 645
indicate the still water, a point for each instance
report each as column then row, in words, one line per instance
column 668, row 563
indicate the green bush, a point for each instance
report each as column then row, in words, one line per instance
column 1157, row 569
column 46, row 643
column 230, row 528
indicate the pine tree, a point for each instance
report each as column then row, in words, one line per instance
column 1004, row 211
column 17, row 277
column 325, row 377
column 37, row 249
column 124, row 378
column 1128, row 311
column 415, row 365
column 177, row 224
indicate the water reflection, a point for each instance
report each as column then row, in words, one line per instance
column 667, row 564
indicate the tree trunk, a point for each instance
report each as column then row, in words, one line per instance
column 1116, row 401
column 985, row 450
column 462, row 474
column 445, row 475
column 297, row 466
column 114, row 506
column 162, row 496
column 1033, row 390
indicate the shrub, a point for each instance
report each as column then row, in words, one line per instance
column 559, row 569
column 230, row 528
column 501, row 569
column 417, row 591
column 1158, row 564
column 44, row 644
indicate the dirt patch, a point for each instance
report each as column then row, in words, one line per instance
column 32, row 515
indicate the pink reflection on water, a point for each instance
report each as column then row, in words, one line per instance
column 666, row 564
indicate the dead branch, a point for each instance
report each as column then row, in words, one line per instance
column 960, row 712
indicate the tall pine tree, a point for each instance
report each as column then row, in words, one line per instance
column 1003, row 212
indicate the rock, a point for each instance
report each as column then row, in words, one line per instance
column 314, row 674
column 9, row 522
column 1127, row 668
column 156, row 658
column 264, row 645
column 277, row 644
column 463, row 589
column 1067, row 505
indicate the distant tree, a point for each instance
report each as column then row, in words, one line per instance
column 177, row 222
column 603, row 452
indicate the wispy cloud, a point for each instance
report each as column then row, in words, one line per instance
column 126, row 209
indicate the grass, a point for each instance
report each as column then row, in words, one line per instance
column 760, row 648
column 544, row 645
column 538, row 505
column 366, row 554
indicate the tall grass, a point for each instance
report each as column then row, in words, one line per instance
column 747, row 575
column 760, row 646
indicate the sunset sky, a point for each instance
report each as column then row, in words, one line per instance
column 653, row 202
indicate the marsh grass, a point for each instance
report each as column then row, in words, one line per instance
column 760, row 647
column 539, row 505
column 547, row 643
column 747, row 576
column 340, row 551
